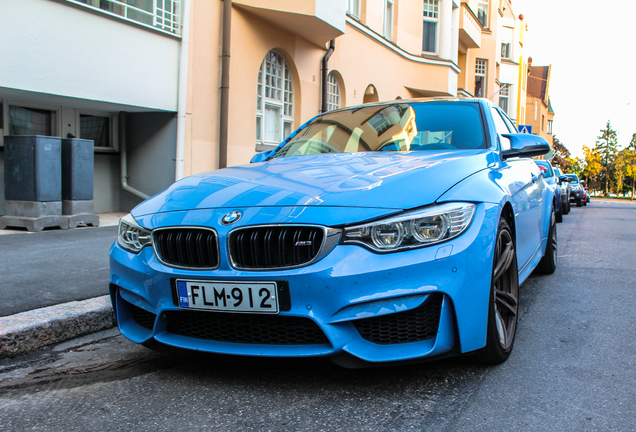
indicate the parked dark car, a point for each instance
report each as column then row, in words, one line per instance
column 576, row 190
column 553, row 181
column 564, row 184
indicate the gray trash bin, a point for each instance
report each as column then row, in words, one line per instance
column 77, row 182
column 33, row 182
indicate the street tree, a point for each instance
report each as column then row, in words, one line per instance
column 630, row 162
column 618, row 172
column 591, row 168
column 575, row 165
column 607, row 149
column 561, row 155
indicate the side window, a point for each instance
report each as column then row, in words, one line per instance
column 502, row 128
column 511, row 124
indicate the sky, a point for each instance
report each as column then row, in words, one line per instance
column 590, row 45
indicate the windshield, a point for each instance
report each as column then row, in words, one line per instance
column 573, row 178
column 391, row 127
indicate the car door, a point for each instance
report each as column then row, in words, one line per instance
column 522, row 178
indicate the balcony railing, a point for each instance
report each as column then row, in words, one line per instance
column 163, row 15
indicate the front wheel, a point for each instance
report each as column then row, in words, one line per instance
column 503, row 306
column 579, row 202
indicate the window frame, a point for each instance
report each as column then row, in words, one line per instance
column 171, row 26
column 286, row 106
column 333, row 96
column 433, row 20
column 389, row 5
column 353, row 8
column 483, row 75
column 480, row 3
column 504, row 96
column 56, row 121
column 113, row 126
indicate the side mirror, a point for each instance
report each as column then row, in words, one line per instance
column 260, row 157
column 525, row 145
column 564, row 179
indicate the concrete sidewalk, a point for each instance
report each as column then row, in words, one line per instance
column 72, row 302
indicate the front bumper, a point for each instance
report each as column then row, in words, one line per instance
column 335, row 295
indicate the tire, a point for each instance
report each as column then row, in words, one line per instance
column 565, row 207
column 569, row 206
column 503, row 306
column 579, row 203
column 548, row 263
column 585, row 202
column 559, row 215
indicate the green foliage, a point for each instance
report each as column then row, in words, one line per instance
column 561, row 155
column 607, row 150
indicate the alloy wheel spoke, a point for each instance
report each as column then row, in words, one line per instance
column 506, row 301
column 504, row 261
column 501, row 329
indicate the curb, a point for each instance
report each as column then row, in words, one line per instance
column 28, row 331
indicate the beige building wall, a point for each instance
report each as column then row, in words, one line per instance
column 362, row 58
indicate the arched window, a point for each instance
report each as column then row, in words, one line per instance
column 274, row 101
column 333, row 92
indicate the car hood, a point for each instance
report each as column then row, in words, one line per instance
column 370, row 180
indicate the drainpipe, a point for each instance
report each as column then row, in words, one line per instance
column 324, row 70
column 225, row 83
column 123, row 159
column 183, row 91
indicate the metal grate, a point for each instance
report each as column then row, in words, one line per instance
column 413, row 325
column 245, row 328
column 142, row 317
column 193, row 248
column 275, row 246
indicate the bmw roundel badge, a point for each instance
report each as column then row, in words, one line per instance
column 231, row 217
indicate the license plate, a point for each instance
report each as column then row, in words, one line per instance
column 259, row 297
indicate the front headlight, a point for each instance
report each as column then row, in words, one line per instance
column 414, row 229
column 132, row 237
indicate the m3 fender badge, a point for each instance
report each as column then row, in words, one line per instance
column 231, row 217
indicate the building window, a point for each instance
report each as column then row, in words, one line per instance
column 430, row 21
column 550, row 127
column 388, row 19
column 31, row 121
column 505, row 50
column 353, row 7
column 482, row 12
column 164, row 15
column 480, row 78
column 274, row 100
column 98, row 128
column 333, row 92
column 504, row 95
column 506, row 42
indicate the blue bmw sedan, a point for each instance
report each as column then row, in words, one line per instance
column 382, row 233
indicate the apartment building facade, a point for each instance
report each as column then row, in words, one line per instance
column 178, row 87
column 539, row 111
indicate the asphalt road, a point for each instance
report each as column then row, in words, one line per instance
column 572, row 368
column 52, row 267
